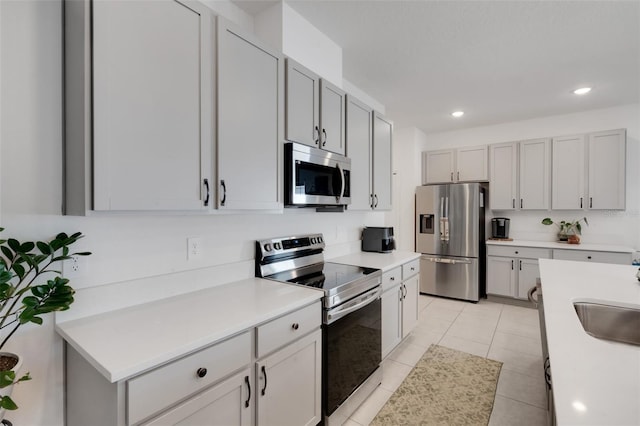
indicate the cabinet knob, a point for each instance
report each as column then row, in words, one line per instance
column 516, row 252
column 392, row 279
column 295, row 326
column 413, row 269
column 588, row 257
column 201, row 372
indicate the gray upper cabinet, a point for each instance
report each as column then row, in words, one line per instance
column 607, row 169
column 250, row 106
column 331, row 117
column 138, row 105
column 589, row 171
column 568, row 173
column 359, row 130
column 302, row 105
column 314, row 109
column 382, row 145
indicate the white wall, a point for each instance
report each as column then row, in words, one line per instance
column 135, row 258
column 607, row 227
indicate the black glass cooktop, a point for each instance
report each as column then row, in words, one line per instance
column 326, row 276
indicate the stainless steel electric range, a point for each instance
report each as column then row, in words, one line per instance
column 351, row 338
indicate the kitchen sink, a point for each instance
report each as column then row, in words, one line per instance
column 610, row 322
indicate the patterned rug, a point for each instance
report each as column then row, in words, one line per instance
column 446, row 387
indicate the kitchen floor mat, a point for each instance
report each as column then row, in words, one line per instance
column 446, row 387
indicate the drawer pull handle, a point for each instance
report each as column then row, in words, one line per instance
column 516, row 252
column 201, row 372
column 392, row 279
column 588, row 257
column 413, row 269
column 295, row 325
column 264, row 373
column 246, row 380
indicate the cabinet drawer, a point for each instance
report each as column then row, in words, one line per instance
column 288, row 328
column 410, row 269
column 593, row 256
column 162, row 387
column 391, row 278
column 513, row 251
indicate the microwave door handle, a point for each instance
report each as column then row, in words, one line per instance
column 342, row 187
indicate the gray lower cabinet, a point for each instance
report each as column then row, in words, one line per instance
column 250, row 106
column 512, row 271
column 138, row 105
column 400, row 290
column 267, row 375
column 593, row 256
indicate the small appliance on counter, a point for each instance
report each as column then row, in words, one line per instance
column 378, row 239
column 500, row 228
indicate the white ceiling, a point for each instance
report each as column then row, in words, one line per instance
column 499, row 61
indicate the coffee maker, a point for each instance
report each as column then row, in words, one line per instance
column 500, row 228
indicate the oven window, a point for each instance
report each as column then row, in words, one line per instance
column 352, row 351
column 314, row 179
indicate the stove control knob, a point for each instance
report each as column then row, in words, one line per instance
column 320, row 239
column 313, row 240
column 267, row 247
column 277, row 246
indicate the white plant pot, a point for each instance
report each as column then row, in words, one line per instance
column 7, row 390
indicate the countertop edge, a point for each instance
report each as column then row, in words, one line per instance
column 563, row 246
column 119, row 371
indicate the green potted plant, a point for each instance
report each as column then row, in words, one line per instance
column 25, row 296
column 568, row 231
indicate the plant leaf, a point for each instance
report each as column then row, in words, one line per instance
column 547, row 221
column 7, row 378
column 7, row 252
column 44, row 248
column 7, row 403
column 14, row 244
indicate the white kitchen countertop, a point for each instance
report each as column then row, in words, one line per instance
column 564, row 246
column 595, row 381
column 384, row 261
column 126, row 342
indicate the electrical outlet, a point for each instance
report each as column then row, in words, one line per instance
column 194, row 248
column 74, row 267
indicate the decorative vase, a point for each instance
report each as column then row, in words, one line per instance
column 573, row 239
column 563, row 236
column 6, row 359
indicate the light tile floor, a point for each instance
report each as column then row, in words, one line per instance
column 506, row 333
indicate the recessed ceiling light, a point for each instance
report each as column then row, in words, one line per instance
column 457, row 114
column 582, row 91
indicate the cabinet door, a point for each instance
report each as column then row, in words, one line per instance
column 289, row 384
column 568, row 173
column 382, row 140
column 535, row 174
column 391, row 319
column 471, row 164
column 250, row 80
column 501, row 276
column 528, row 271
column 302, row 105
column 503, row 176
column 607, row 170
column 437, row 166
column 410, row 305
column 359, row 140
column 331, row 117
column 152, row 105
column 227, row 403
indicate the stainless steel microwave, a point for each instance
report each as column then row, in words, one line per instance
column 314, row 177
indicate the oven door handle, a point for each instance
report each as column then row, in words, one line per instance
column 360, row 302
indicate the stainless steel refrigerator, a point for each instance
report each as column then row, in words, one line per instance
column 450, row 233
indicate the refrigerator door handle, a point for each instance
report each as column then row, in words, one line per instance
column 449, row 261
